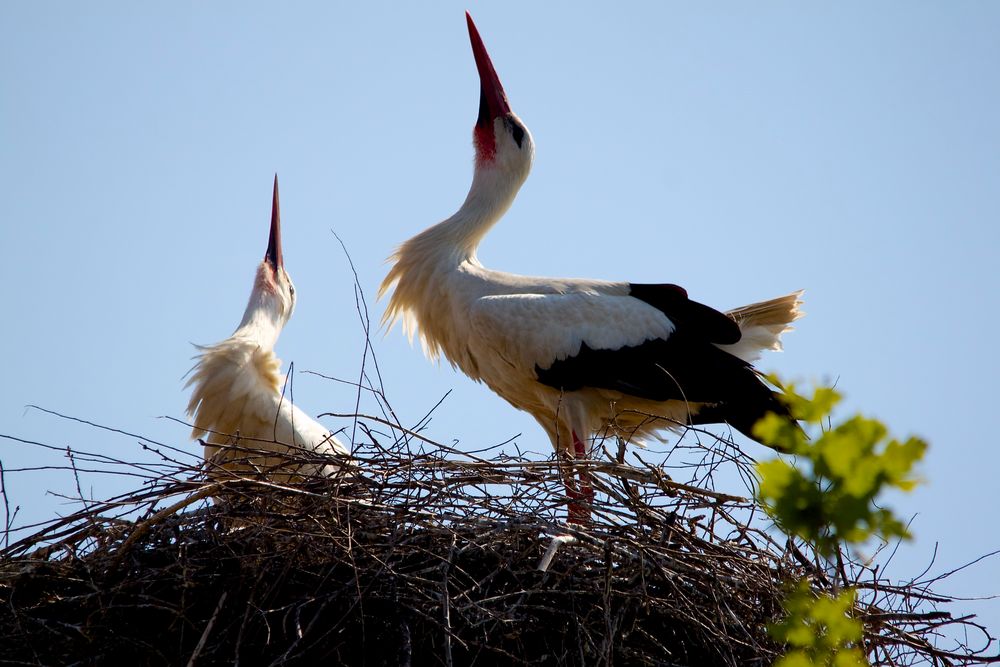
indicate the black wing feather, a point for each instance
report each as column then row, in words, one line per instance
column 687, row 366
column 695, row 318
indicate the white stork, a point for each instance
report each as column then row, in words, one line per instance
column 581, row 356
column 237, row 403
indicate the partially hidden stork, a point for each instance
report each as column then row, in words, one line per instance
column 581, row 356
column 238, row 406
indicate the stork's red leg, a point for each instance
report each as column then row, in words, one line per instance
column 579, row 512
column 586, row 487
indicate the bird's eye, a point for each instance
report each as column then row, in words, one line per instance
column 291, row 289
column 516, row 130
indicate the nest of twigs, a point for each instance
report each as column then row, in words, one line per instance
column 418, row 554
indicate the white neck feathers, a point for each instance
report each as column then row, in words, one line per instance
column 420, row 261
column 262, row 321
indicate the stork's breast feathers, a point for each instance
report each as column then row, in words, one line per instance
column 535, row 330
column 237, row 389
column 233, row 383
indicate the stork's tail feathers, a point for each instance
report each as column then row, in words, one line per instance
column 762, row 325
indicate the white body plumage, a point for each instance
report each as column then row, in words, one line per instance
column 238, row 406
column 582, row 356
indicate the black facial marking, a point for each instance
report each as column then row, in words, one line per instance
column 516, row 130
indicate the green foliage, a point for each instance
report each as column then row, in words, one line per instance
column 819, row 630
column 829, row 499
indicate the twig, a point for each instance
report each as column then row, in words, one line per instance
column 208, row 630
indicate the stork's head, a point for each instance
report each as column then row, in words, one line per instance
column 273, row 297
column 502, row 141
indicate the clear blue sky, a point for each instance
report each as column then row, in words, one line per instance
column 741, row 150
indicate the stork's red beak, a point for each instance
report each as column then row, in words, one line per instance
column 492, row 99
column 273, row 254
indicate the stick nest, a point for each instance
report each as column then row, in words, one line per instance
column 418, row 554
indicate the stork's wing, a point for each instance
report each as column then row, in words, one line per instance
column 537, row 329
column 573, row 341
column 295, row 426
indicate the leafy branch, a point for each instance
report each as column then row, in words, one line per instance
column 828, row 497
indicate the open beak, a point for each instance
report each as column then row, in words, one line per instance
column 492, row 99
column 273, row 254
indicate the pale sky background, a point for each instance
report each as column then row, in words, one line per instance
column 741, row 150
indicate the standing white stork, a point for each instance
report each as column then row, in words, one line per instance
column 581, row 356
column 237, row 403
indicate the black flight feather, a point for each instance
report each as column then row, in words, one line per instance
column 696, row 318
